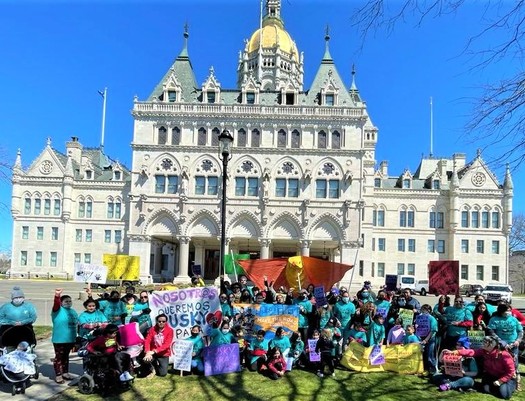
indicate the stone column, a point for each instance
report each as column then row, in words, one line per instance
column 184, row 248
column 157, row 258
column 139, row 245
column 199, row 254
column 265, row 247
column 305, row 247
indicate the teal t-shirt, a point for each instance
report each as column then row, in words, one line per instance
column 282, row 343
column 376, row 334
column 453, row 314
column 65, row 322
column 507, row 328
column 344, row 312
column 220, row 338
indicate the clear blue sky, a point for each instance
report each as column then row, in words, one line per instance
column 56, row 55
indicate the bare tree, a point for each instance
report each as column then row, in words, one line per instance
column 517, row 235
column 5, row 175
column 499, row 113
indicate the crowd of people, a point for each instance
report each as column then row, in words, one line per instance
column 386, row 318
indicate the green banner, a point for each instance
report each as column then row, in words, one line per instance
column 230, row 265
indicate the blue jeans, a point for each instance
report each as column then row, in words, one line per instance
column 505, row 390
column 429, row 356
column 463, row 383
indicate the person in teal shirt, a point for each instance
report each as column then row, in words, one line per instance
column 344, row 310
column 257, row 349
column 281, row 341
column 198, row 346
column 65, row 322
column 358, row 333
column 305, row 308
column 459, row 321
column 114, row 308
column 221, row 336
column 410, row 336
column 507, row 328
column 376, row 331
column 481, row 299
column 141, row 313
column 296, row 348
column 426, row 330
column 92, row 318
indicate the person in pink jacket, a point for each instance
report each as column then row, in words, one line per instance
column 157, row 345
column 499, row 372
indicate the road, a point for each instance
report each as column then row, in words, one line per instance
column 40, row 293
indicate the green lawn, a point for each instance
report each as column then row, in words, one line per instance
column 295, row 386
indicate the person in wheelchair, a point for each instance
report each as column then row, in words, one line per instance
column 107, row 345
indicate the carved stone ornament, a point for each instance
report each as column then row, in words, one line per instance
column 478, row 179
column 46, row 167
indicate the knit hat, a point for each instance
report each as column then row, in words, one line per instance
column 464, row 342
column 17, row 293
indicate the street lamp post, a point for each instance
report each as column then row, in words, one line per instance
column 225, row 153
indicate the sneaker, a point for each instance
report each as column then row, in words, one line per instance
column 444, row 387
column 122, row 377
column 320, row 374
column 128, row 376
column 136, row 364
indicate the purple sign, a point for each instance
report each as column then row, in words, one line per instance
column 376, row 356
column 221, row 359
column 320, row 298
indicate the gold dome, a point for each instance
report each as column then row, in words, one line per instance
column 273, row 36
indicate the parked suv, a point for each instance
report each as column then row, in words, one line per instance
column 496, row 291
column 421, row 287
column 470, row 289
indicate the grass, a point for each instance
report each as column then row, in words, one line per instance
column 295, row 386
column 42, row 332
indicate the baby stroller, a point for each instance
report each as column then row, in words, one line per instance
column 17, row 359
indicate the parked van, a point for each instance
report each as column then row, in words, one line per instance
column 421, row 287
column 406, row 281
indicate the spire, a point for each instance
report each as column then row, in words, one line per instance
column 48, row 142
column 18, row 162
column 507, row 183
column 454, row 181
column 327, row 56
column 478, row 153
column 69, row 168
column 353, row 87
column 184, row 52
column 273, row 9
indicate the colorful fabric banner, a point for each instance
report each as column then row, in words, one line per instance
column 295, row 272
column 222, row 359
column 181, row 351
column 403, row 359
column 268, row 317
column 186, row 307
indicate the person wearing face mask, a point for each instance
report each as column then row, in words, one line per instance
column 507, row 328
column 114, row 308
column 198, row 345
column 65, row 322
column 344, row 311
column 222, row 335
column 157, row 346
column 382, row 304
column 305, row 308
column 18, row 312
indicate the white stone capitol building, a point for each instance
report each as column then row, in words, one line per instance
column 303, row 180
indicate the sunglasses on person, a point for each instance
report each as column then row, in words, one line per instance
column 143, row 297
column 161, row 321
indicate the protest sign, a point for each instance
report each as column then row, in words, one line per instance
column 452, row 365
column 422, row 326
column 320, row 297
column 268, row 317
column 187, row 307
column 181, row 351
column 314, row 356
column 476, row 338
column 221, row 359
column 88, row 273
column 121, row 267
column 407, row 315
column 382, row 312
column 377, row 357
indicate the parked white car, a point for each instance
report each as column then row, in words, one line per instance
column 421, row 287
column 495, row 291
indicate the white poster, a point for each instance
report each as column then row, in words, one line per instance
column 181, row 351
column 88, row 273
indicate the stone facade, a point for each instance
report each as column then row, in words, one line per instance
column 302, row 180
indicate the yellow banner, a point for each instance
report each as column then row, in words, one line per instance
column 122, row 267
column 405, row 359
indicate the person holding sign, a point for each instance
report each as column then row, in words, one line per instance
column 426, row 330
column 325, row 347
column 459, row 321
column 157, row 345
column 499, row 372
column 459, row 371
column 198, row 346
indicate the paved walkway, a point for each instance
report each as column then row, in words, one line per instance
column 44, row 387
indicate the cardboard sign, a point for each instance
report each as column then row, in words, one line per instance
column 187, row 307
column 221, row 359
column 181, row 351
column 314, row 356
column 452, row 365
column 377, row 357
column 320, row 298
column 88, row 273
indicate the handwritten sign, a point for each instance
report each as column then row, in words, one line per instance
column 320, row 297
column 181, row 351
column 122, row 267
column 268, row 317
column 377, row 357
column 407, row 315
column 88, row 273
column 452, row 364
column 314, row 356
column 422, row 326
column 221, row 359
column 187, row 307
column 476, row 338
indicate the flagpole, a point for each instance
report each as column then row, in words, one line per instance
column 104, row 96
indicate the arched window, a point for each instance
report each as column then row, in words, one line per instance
column 247, row 179
column 321, row 140
column 281, row 139
column 215, row 136
column 175, row 136
column 241, row 138
column 336, row 140
column 163, row 136
column 296, row 139
column 202, row 137
column 256, row 138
